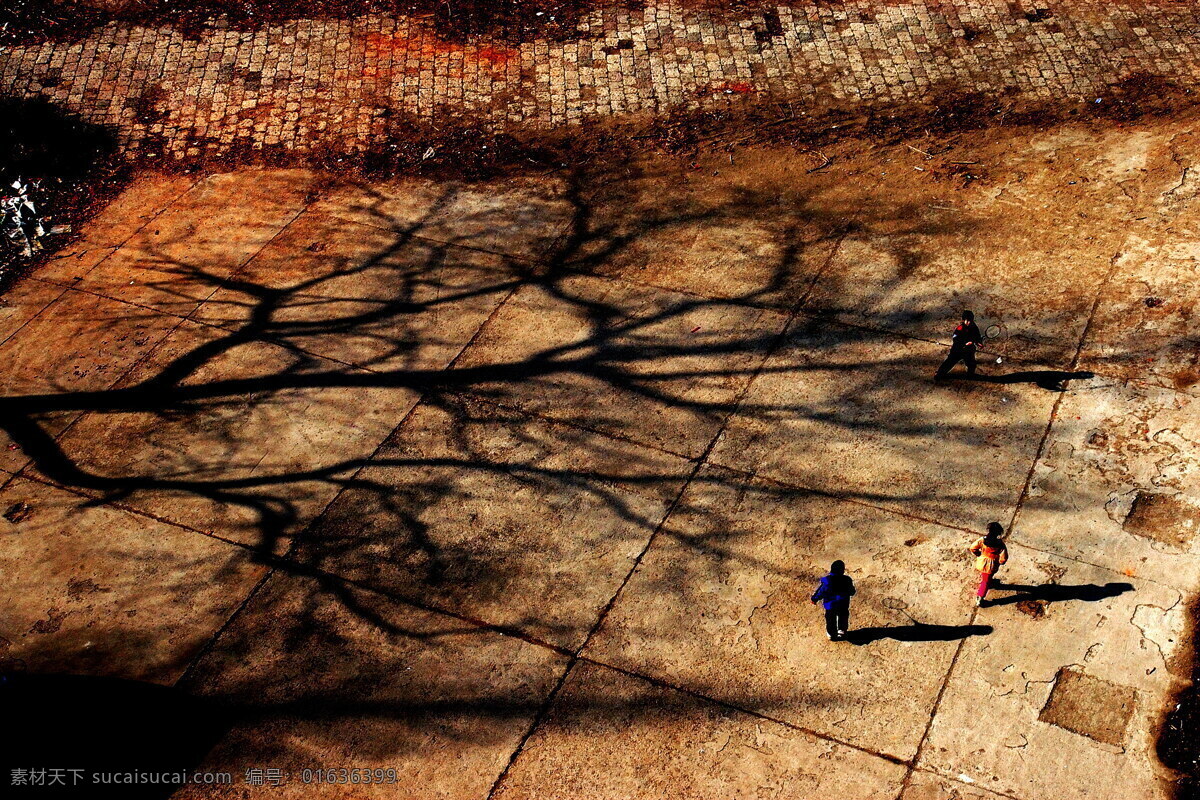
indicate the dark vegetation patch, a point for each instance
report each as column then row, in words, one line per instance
column 74, row 163
column 504, row 20
column 1178, row 742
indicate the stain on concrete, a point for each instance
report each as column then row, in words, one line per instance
column 18, row 512
column 1032, row 608
column 1090, row 706
column 52, row 622
column 77, row 588
column 1164, row 518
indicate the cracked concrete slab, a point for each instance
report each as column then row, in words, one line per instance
column 518, row 216
column 1110, row 445
column 94, row 590
column 316, row 674
column 23, row 302
column 752, row 227
column 733, row 571
column 1049, row 614
column 855, row 413
column 378, row 299
column 244, row 440
column 927, row 786
column 200, row 239
column 660, row 368
column 925, row 248
column 613, row 736
column 78, row 343
column 1144, row 327
column 491, row 514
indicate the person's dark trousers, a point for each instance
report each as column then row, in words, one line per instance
column 967, row 356
column 837, row 619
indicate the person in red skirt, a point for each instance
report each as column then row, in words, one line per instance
column 990, row 553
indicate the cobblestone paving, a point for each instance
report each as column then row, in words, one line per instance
column 349, row 84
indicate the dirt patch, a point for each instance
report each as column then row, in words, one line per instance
column 18, row 512
column 503, row 20
column 1090, row 706
column 51, row 624
column 77, row 588
column 1032, row 608
column 1164, row 518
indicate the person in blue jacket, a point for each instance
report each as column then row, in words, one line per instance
column 835, row 590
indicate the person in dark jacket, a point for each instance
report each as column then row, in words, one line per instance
column 835, row 591
column 962, row 346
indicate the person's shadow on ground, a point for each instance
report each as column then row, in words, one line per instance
column 1052, row 380
column 1056, row 593
column 917, row 632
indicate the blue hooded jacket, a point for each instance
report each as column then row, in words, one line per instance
column 834, row 590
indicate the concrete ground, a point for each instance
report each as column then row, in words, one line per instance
column 521, row 488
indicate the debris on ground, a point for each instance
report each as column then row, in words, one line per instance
column 18, row 512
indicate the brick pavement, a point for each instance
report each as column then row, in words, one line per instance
column 350, row 84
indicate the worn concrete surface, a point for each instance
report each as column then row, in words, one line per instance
column 543, row 474
column 317, row 672
column 99, row 590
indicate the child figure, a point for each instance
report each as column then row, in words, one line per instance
column 990, row 553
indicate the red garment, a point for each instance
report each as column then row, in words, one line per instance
column 985, row 580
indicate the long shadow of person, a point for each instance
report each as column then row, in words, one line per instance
column 1056, row 593
column 917, row 632
column 1052, row 380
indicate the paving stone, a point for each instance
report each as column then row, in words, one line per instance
column 94, row 590
column 660, row 368
column 358, row 681
column 613, row 736
column 836, row 409
column 1051, row 615
column 480, row 511
column 378, row 299
column 734, row 569
column 242, row 439
column 1112, row 486
column 847, row 59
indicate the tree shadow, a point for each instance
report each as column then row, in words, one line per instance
column 917, row 632
column 1057, row 593
column 437, row 517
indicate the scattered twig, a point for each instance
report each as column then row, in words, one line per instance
column 919, row 150
column 828, row 160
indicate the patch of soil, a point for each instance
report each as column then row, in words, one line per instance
column 1032, row 608
column 1164, row 518
column 456, row 20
